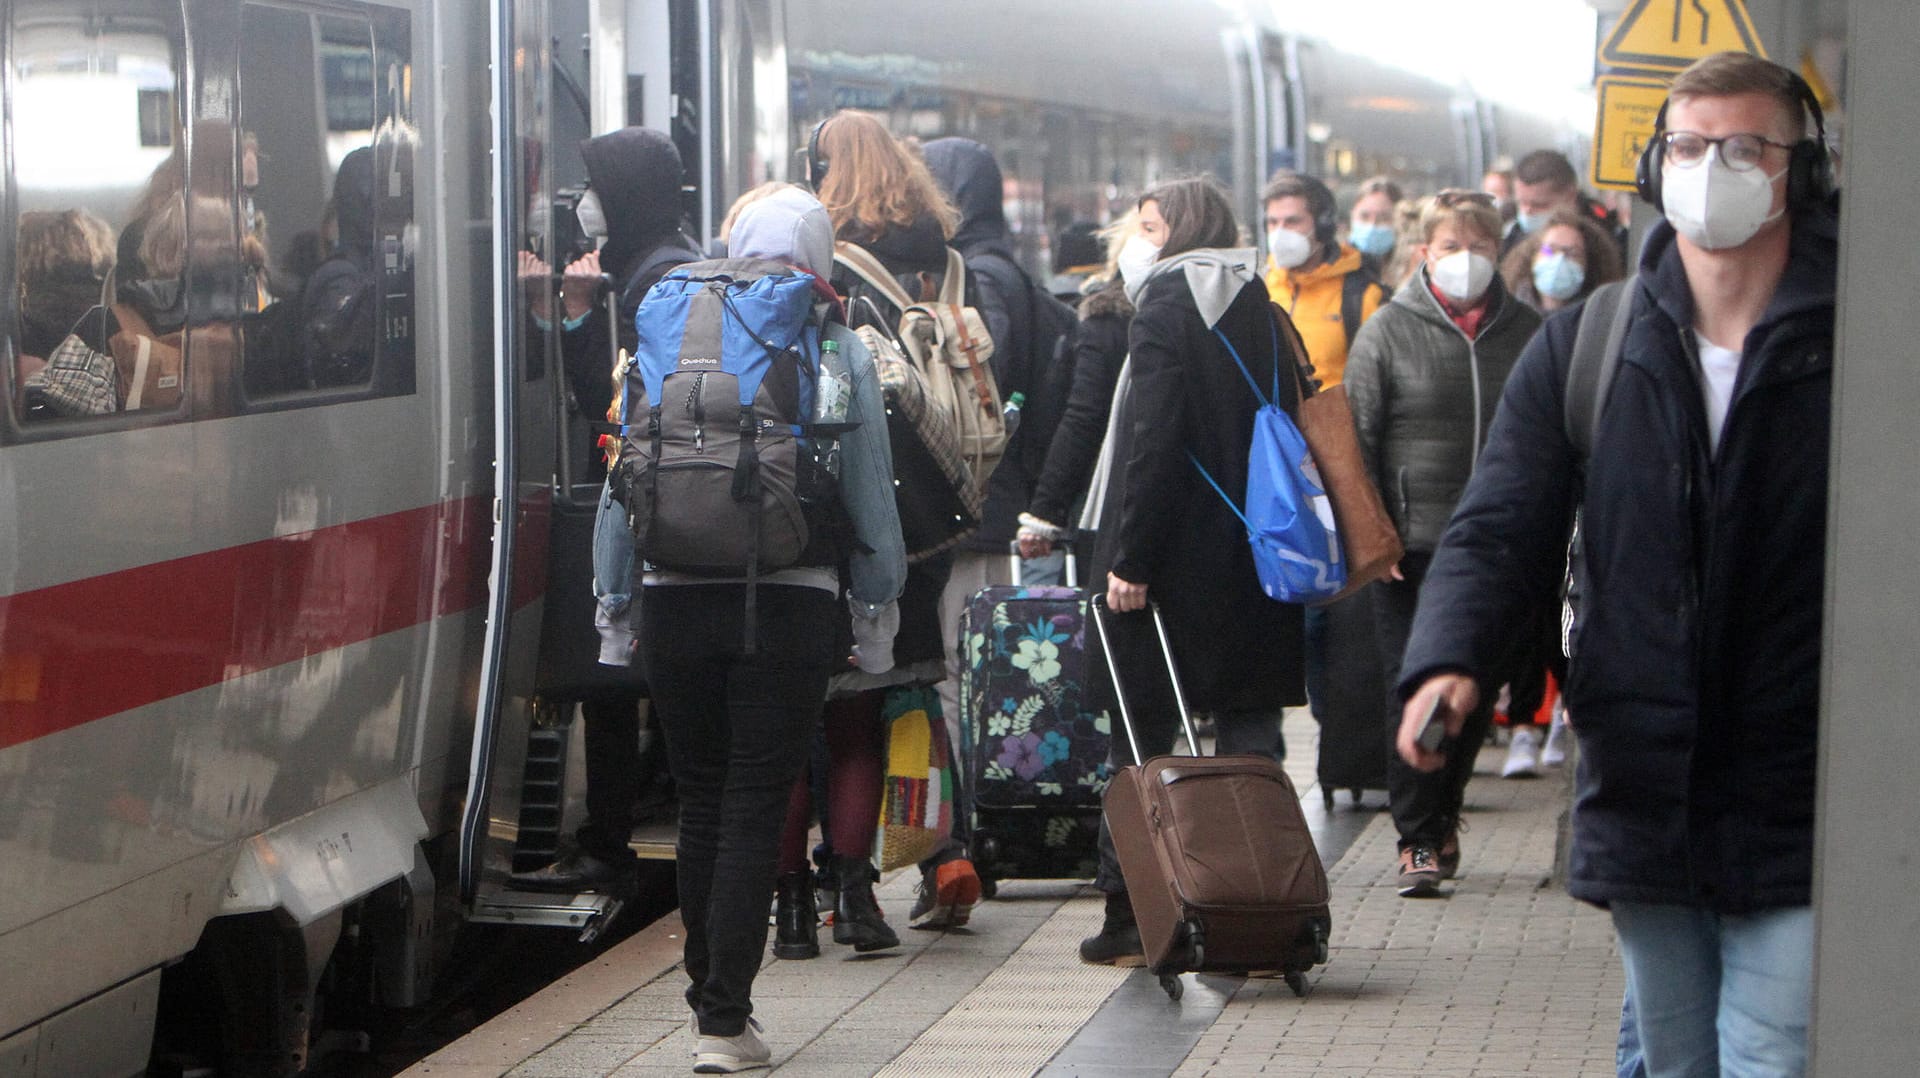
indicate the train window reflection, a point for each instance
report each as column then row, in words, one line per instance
column 332, row 178
column 97, row 249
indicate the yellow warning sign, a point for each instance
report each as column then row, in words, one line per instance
column 1628, row 107
column 1668, row 35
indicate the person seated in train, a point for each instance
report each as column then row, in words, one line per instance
column 1422, row 381
column 340, row 304
column 1324, row 285
column 630, row 213
column 1371, row 227
column 737, row 754
column 65, row 259
column 881, row 197
column 1545, row 183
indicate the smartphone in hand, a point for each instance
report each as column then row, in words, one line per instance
column 1433, row 729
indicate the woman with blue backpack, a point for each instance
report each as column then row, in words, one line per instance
column 769, row 444
column 1204, row 333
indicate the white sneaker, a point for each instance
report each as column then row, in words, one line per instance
column 729, row 1055
column 1523, row 754
column 1555, row 752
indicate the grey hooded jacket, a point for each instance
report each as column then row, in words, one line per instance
column 1423, row 395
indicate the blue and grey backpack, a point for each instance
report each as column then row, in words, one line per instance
column 716, row 461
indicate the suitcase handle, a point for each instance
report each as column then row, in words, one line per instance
column 1099, row 606
column 1064, row 545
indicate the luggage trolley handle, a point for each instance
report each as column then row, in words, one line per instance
column 1099, row 606
column 1065, row 546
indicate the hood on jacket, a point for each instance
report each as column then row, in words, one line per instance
column 787, row 226
column 353, row 202
column 1807, row 283
column 919, row 246
column 637, row 174
column 1214, row 274
column 1347, row 261
column 1108, row 301
column 970, row 176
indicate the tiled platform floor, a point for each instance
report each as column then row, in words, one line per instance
column 1502, row 976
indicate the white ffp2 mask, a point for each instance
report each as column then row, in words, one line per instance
column 1288, row 248
column 1715, row 206
column 1462, row 276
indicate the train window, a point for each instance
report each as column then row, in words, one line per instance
column 95, row 259
column 325, row 194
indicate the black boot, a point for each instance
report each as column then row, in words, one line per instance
column 795, row 932
column 856, row 917
column 1118, row 941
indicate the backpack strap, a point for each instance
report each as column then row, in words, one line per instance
column 953, row 287
column 1353, row 301
column 869, row 269
column 1596, row 353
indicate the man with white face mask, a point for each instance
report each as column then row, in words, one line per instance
column 1699, row 466
column 1322, row 283
column 1422, row 380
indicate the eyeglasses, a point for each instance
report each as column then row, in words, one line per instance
column 1741, row 153
column 1455, row 196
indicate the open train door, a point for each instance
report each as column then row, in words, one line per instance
column 528, row 385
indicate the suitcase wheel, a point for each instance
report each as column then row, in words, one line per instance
column 1319, row 943
column 1326, row 796
column 1196, row 944
column 1173, row 986
column 1298, row 982
column 1355, row 793
column 989, row 887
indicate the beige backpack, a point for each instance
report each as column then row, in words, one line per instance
column 948, row 341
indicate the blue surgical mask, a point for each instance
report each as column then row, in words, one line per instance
column 1532, row 222
column 1372, row 239
column 1558, row 277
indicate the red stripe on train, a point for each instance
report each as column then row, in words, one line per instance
column 76, row 652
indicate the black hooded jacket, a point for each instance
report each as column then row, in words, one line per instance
column 636, row 173
column 999, row 289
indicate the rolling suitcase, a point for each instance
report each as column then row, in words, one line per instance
column 1355, row 734
column 1035, row 757
column 1216, row 854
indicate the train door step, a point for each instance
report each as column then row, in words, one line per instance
column 589, row 912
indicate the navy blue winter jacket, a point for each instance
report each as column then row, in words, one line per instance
column 1694, row 680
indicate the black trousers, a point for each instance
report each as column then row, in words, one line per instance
column 737, row 727
column 613, row 772
column 1424, row 804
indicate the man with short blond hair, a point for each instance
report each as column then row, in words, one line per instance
column 1699, row 466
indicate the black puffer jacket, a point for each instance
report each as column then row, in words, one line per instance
column 1695, row 678
column 1098, row 351
column 1423, row 396
column 1164, row 527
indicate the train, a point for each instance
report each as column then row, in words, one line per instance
column 277, row 619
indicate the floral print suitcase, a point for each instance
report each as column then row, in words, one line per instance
column 1035, row 756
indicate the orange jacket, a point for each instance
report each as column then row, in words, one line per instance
column 1312, row 298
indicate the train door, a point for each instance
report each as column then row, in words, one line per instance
column 529, row 385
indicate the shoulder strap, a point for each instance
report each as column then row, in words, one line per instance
column 870, row 270
column 1596, row 352
column 953, row 287
column 1353, row 299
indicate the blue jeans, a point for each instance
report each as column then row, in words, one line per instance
column 1718, row 994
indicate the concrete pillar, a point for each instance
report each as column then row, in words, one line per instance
column 1868, row 846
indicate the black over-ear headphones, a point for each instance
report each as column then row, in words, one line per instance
column 1326, row 216
column 1809, row 167
column 816, row 164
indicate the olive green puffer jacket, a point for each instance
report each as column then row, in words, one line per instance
column 1423, row 397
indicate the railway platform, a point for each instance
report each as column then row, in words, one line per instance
column 1503, row 975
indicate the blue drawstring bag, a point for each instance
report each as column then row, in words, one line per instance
column 1289, row 518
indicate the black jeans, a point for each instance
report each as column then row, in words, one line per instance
column 1425, row 805
column 613, row 773
column 737, row 728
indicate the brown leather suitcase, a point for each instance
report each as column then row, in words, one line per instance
column 1218, row 861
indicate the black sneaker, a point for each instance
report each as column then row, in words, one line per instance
column 1419, row 872
column 947, row 896
column 580, row 871
column 1118, row 941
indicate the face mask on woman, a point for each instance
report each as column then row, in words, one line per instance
column 1556, row 276
column 592, row 218
column 1718, row 207
column 1371, row 238
column 1137, row 256
column 1462, row 276
column 1288, row 248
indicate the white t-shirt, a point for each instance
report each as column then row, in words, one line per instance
column 1721, row 366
